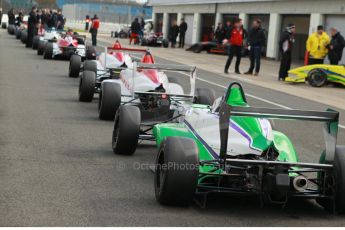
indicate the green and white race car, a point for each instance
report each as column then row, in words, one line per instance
column 231, row 147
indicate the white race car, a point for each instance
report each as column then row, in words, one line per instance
column 40, row 40
column 67, row 45
column 145, row 85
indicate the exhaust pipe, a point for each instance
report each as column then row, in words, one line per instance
column 300, row 183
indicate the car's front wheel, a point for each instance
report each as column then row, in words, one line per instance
column 317, row 78
column 176, row 171
column 48, row 51
column 35, row 42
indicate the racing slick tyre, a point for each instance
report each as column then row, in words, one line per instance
column 165, row 43
column 48, row 51
column 126, row 130
column 317, row 78
column 35, row 42
column 24, row 36
column 87, row 86
column 176, row 172
column 41, row 47
column 197, row 48
column 143, row 42
column 90, row 66
column 3, row 25
column 74, row 66
column 337, row 183
column 10, row 29
column 90, row 53
column 204, row 96
column 18, row 33
column 109, row 100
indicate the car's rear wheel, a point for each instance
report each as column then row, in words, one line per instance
column 335, row 185
column 109, row 100
column 126, row 130
column 317, row 78
column 165, row 43
column 18, row 33
column 41, row 47
column 87, row 86
column 11, row 29
column 74, row 66
column 90, row 66
column 4, row 25
column 197, row 48
column 24, row 36
column 35, row 42
column 176, row 172
column 90, row 53
column 204, row 96
column 48, row 51
column 143, row 42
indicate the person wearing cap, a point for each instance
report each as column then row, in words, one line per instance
column 317, row 44
column 336, row 47
column 285, row 47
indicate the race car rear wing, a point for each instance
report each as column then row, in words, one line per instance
column 190, row 70
column 330, row 117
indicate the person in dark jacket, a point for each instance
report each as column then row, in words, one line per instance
column 227, row 29
column 0, row 15
column 219, row 33
column 135, row 31
column 336, row 47
column 235, row 42
column 51, row 19
column 32, row 26
column 11, row 17
column 60, row 20
column 183, row 30
column 256, row 41
column 173, row 33
column 44, row 19
column 285, row 46
column 19, row 19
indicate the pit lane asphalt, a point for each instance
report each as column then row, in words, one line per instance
column 57, row 167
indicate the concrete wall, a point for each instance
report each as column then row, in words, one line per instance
column 316, row 10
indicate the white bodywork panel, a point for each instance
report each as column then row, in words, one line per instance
column 206, row 125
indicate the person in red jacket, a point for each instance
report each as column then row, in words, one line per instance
column 235, row 41
column 95, row 23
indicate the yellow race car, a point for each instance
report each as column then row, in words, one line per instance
column 318, row 75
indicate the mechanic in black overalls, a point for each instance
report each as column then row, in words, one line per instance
column 11, row 17
column 285, row 47
column 19, row 19
column 32, row 26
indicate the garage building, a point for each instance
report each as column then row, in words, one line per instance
column 202, row 15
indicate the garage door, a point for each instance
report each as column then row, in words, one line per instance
column 189, row 19
column 337, row 21
column 302, row 29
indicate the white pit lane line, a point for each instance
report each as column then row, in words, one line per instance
column 249, row 95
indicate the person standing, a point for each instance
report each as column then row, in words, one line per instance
column 285, row 46
column 135, row 30
column 183, row 30
column 11, row 17
column 235, row 42
column 87, row 22
column 219, row 33
column 173, row 33
column 95, row 23
column 32, row 26
column 317, row 46
column 60, row 21
column 0, row 15
column 256, row 41
column 336, row 47
column 19, row 19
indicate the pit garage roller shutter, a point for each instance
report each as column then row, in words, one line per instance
column 337, row 21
